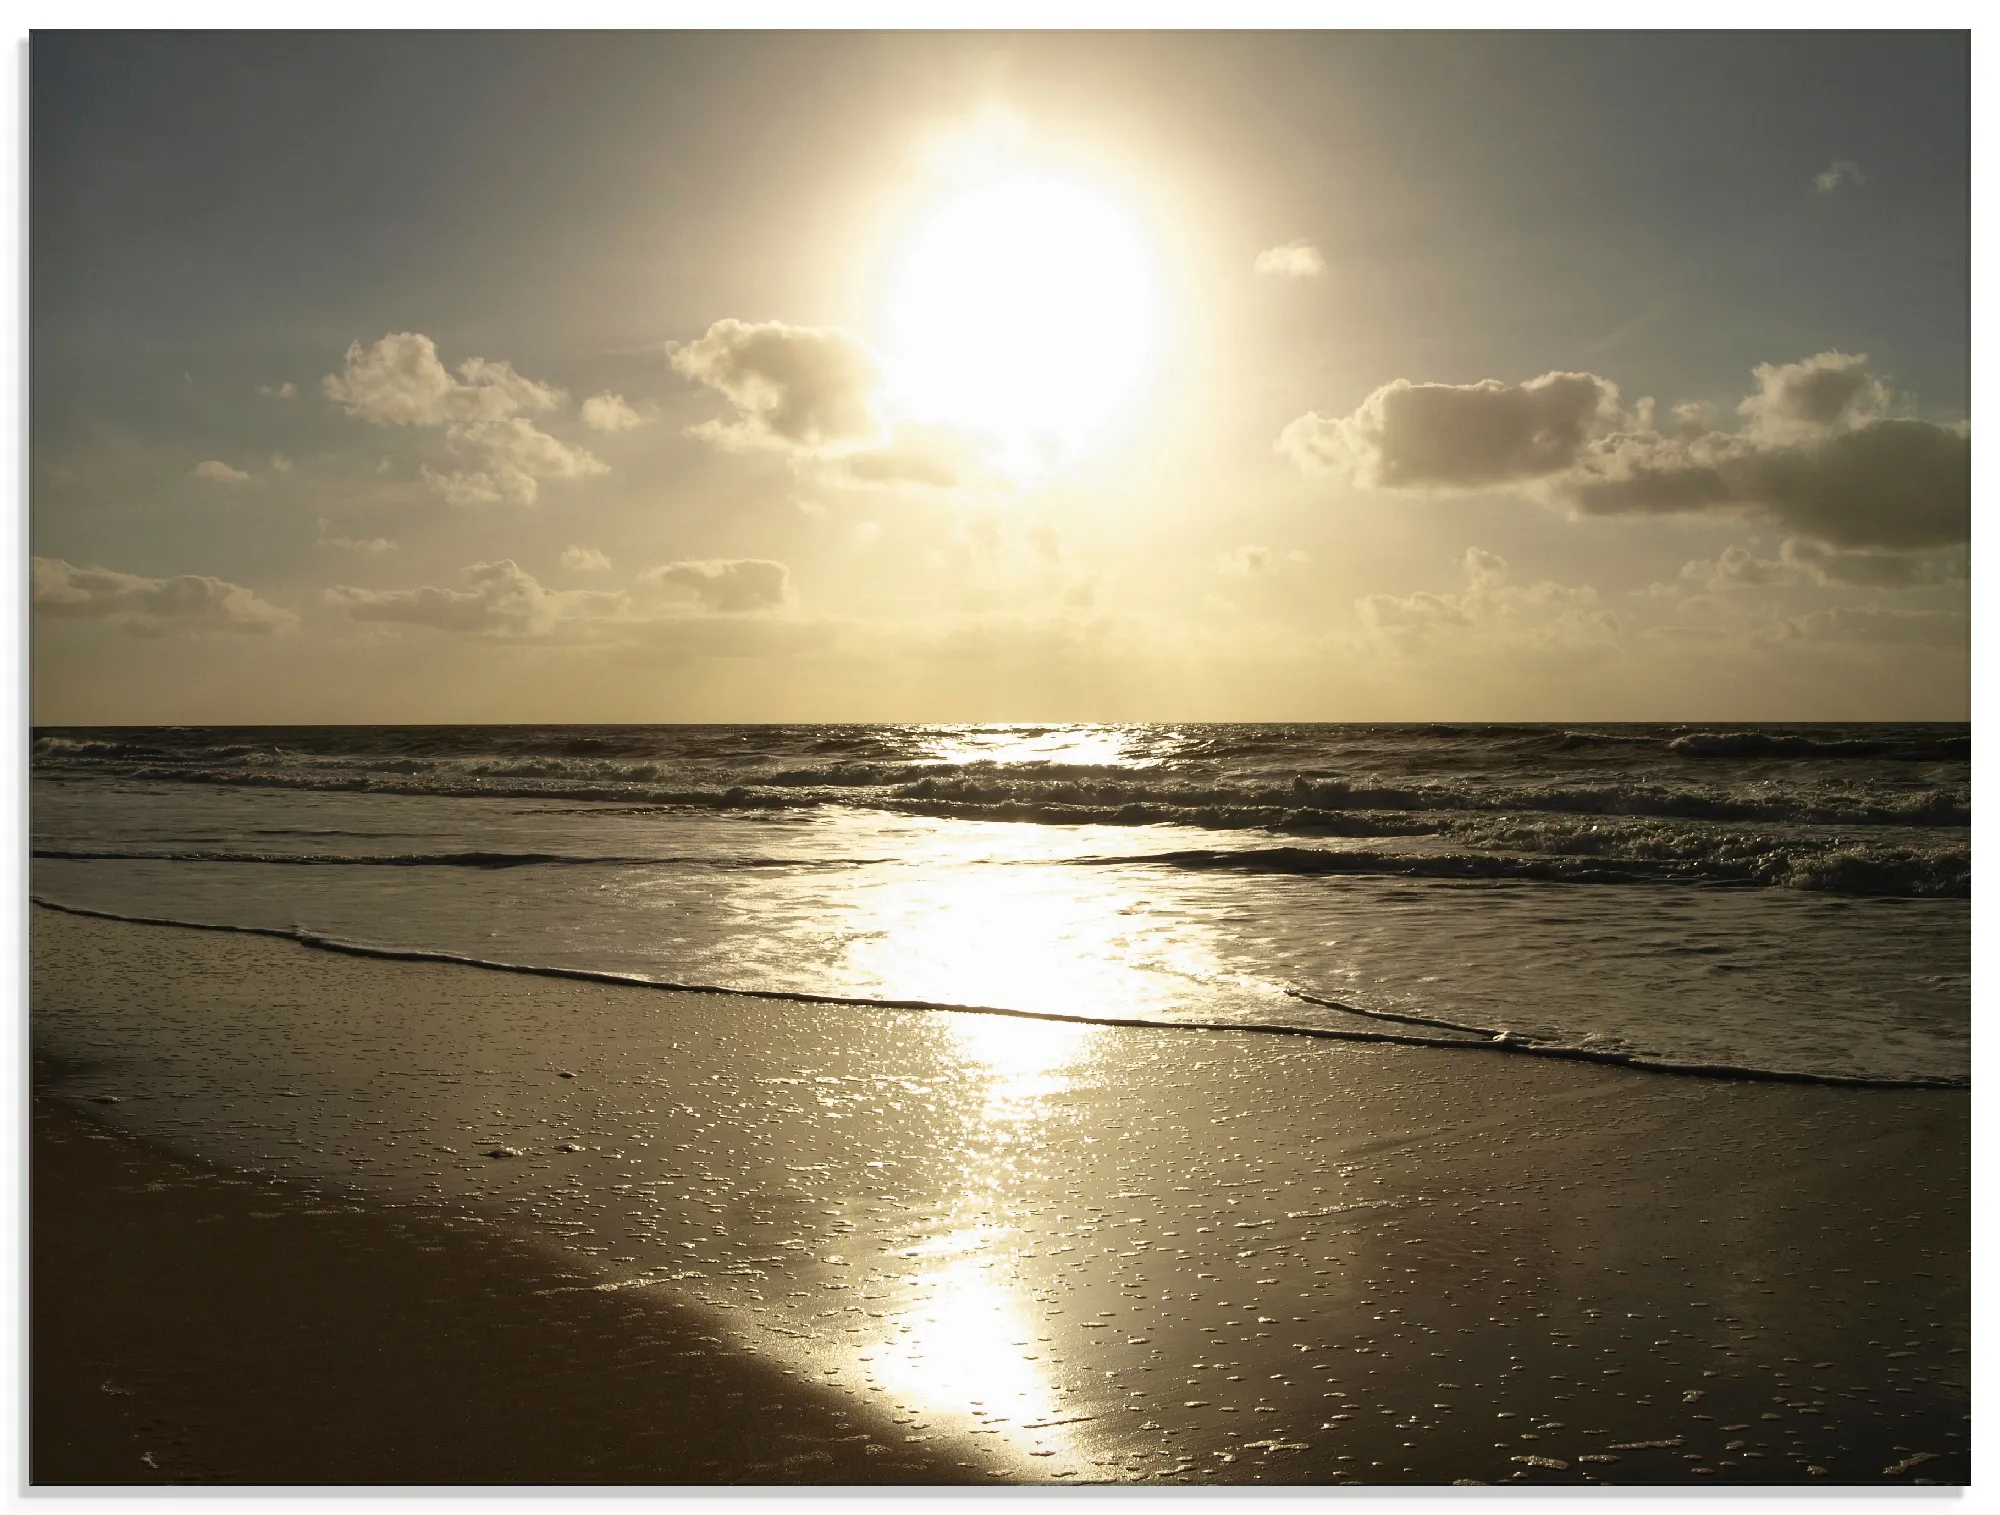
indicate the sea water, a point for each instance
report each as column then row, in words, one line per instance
column 1778, row 899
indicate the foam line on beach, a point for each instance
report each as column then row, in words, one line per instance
column 1501, row 1041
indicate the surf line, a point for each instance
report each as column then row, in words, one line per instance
column 1496, row 1041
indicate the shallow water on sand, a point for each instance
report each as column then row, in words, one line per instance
column 1167, row 921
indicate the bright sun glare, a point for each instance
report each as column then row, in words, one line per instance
column 1024, row 309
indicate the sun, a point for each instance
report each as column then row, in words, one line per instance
column 1023, row 308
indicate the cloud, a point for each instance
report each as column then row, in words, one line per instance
column 218, row 472
column 498, row 600
column 1870, row 570
column 808, row 388
column 1801, row 561
column 726, row 584
column 510, row 457
column 281, row 463
column 922, row 457
column 1837, row 173
column 285, row 391
column 1928, row 628
column 1817, row 453
column 1832, row 391
column 814, row 394
column 1251, row 560
column 1294, row 260
column 585, row 560
column 609, row 412
column 1448, row 437
column 188, row 603
column 1493, row 610
column 400, row 381
column 369, row 545
column 1895, row 484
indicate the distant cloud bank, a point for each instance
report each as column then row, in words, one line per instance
column 187, row 603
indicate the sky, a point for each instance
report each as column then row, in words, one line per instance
column 968, row 376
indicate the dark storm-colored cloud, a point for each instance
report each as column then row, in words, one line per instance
column 1816, row 454
column 188, row 603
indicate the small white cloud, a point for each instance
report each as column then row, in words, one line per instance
column 400, row 381
column 285, row 391
column 585, row 560
column 609, row 412
column 1839, row 172
column 1294, row 260
column 280, row 463
column 182, row 605
column 1248, row 561
column 369, row 545
column 218, row 472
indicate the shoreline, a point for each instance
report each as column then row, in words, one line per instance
column 1491, row 1270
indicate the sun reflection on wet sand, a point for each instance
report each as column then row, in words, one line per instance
column 973, row 1345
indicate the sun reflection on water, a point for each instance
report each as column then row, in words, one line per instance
column 1079, row 746
column 1017, row 938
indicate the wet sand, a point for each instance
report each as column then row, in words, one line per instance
column 999, row 1250
column 199, row 1327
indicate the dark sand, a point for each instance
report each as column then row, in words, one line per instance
column 986, row 1249
column 197, row 1327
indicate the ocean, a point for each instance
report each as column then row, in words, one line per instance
column 1782, row 901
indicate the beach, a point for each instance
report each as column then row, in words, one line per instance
column 709, row 1239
